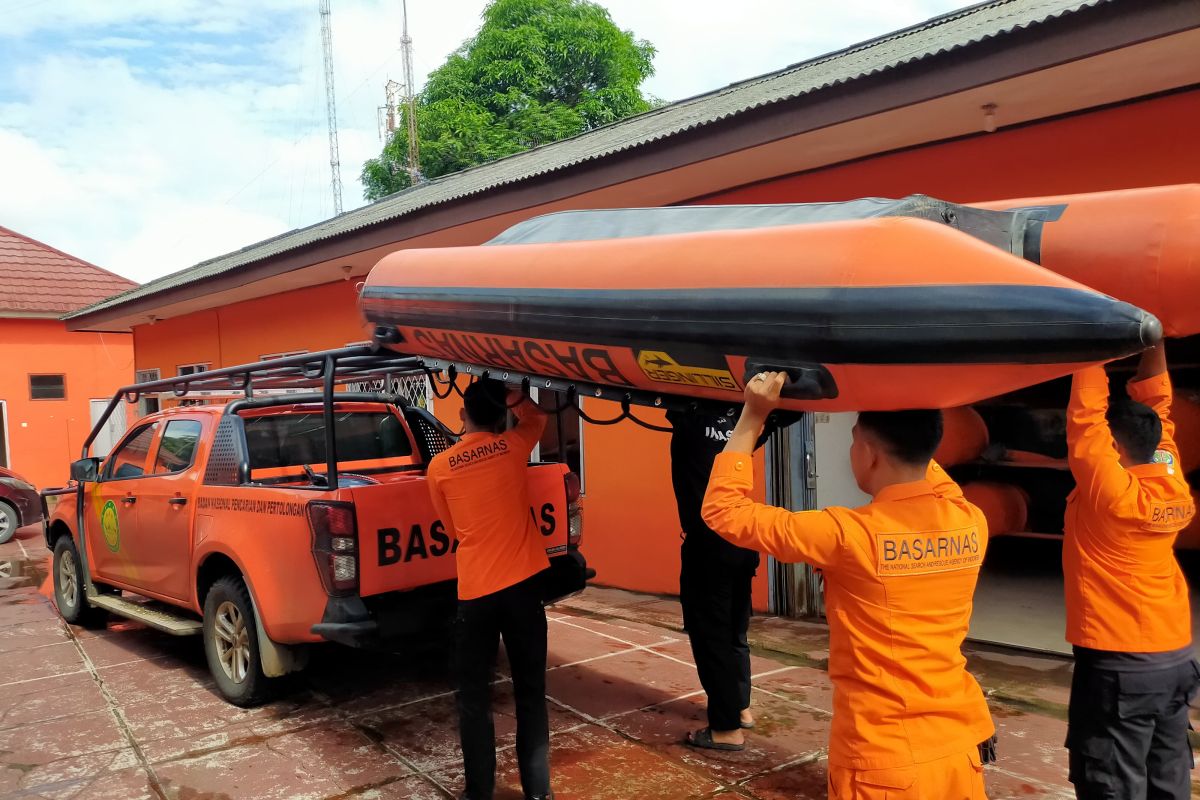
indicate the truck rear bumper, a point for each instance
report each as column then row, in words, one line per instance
column 376, row 620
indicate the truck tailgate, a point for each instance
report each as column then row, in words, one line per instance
column 403, row 544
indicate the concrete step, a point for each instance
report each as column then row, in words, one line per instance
column 149, row 612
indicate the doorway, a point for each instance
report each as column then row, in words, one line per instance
column 4, row 454
column 113, row 429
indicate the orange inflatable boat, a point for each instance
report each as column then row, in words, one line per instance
column 863, row 314
column 1139, row 245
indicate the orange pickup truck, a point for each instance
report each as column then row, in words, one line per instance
column 223, row 520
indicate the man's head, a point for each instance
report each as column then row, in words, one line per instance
column 1136, row 429
column 893, row 447
column 485, row 406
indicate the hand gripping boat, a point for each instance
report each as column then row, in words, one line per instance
column 882, row 312
column 1140, row 245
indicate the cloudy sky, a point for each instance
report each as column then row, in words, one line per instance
column 148, row 135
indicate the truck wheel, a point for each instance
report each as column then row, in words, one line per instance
column 69, row 593
column 8, row 522
column 231, row 643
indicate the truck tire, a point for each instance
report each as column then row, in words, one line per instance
column 69, row 592
column 231, row 643
column 8, row 521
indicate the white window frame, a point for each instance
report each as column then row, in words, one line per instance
column 285, row 354
column 536, row 454
column 7, row 437
column 146, row 376
column 193, row 369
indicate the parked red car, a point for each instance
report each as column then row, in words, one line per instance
column 20, row 504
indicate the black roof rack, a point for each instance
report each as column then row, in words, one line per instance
column 323, row 370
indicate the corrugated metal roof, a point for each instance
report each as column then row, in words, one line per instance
column 37, row 279
column 941, row 34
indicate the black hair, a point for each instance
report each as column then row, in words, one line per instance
column 909, row 436
column 485, row 401
column 1136, row 427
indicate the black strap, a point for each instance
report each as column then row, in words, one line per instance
column 987, row 750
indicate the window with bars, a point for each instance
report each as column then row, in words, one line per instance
column 191, row 369
column 147, row 404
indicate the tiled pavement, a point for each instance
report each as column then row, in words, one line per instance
column 129, row 713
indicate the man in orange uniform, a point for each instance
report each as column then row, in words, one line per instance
column 479, row 489
column 1127, row 603
column 909, row 721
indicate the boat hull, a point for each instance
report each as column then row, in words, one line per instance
column 874, row 314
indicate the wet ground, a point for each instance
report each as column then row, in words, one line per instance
column 128, row 713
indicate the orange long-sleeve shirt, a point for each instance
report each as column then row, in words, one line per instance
column 1125, row 591
column 900, row 573
column 480, row 491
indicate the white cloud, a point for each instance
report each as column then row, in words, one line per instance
column 148, row 135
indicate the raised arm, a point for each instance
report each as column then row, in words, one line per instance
column 531, row 420
column 1152, row 386
column 811, row 536
column 1091, row 451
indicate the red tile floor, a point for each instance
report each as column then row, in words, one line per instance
column 128, row 713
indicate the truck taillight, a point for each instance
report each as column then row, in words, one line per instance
column 574, row 509
column 335, row 545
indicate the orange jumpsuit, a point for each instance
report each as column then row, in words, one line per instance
column 480, row 491
column 1125, row 591
column 900, row 573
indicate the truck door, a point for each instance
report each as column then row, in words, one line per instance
column 163, row 536
column 112, row 513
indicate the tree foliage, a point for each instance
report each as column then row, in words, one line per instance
column 537, row 71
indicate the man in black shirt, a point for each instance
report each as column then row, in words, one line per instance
column 714, row 583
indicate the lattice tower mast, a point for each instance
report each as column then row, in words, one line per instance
column 410, row 101
column 335, row 167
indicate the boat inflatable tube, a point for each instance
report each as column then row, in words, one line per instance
column 873, row 314
column 1139, row 245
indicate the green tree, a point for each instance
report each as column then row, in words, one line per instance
column 536, row 72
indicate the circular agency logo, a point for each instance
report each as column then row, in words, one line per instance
column 110, row 527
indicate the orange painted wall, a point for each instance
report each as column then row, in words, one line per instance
column 45, row 436
column 1139, row 144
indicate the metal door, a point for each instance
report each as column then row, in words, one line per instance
column 795, row 589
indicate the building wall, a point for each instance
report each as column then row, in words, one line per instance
column 631, row 530
column 44, row 436
column 1137, row 144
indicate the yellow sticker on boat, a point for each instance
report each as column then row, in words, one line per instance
column 662, row 368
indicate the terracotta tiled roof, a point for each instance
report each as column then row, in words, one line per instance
column 37, row 279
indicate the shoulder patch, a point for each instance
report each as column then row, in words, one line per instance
column 926, row 552
column 1168, row 517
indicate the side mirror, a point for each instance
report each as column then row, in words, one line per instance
column 85, row 470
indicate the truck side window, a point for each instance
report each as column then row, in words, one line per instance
column 177, row 448
column 129, row 460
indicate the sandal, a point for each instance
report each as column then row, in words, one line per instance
column 746, row 726
column 703, row 740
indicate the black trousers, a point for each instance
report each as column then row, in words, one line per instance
column 715, row 594
column 1128, row 733
column 515, row 613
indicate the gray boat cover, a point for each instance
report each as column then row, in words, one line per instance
column 1017, row 231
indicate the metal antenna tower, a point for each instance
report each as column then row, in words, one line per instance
column 410, row 101
column 335, row 166
column 387, row 112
